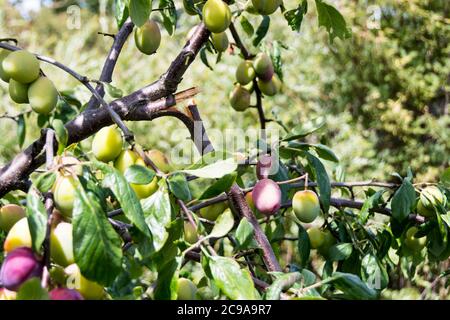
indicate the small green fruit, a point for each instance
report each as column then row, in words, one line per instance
column 64, row 194
column 240, row 98
column 9, row 215
column 90, row 290
column 125, row 160
column 43, row 96
column 61, row 248
column 266, row 7
column 18, row 91
column 190, row 233
column 214, row 211
column 263, row 66
column 316, row 237
column 18, row 236
column 21, row 66
column 148, row 37
column 216, row 16
column 328, row 241
column 160, row 160
column 306, row 206
column 3, row 75
column 270, row 88
column 220, row 41
column 413, row 243
column 245, row 72
column 107, row 144
column 186, row 290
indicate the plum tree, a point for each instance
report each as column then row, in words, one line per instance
column 264, row 166
column 266, row 7
column 306, row 206
column 214, row 211
column 61, row 248
column 43, row 95
column 20, row 265
column 413, row 243
column 148, row 37
column 107, row 144
column 263, row 66
column 3, row 75
column 190, row 233
column 21, row 66
column 220, row 41
column 245, row 72
column 216, row 15
column 65, row 294
column 18, row 236
column 160, row 160
column 271, row 87
column 316, row 237
column 267, row 196
column 90, row 290
column 64, row 194
column 186, row 289
column 240, row 98
column 9, row 215
column 18, row 91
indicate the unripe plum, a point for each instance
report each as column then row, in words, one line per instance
column 306, row 206
column 216, row 16
column 20, row 265
column 18, row 91
column 263, row 66
column 328, row 241
column 18, row 236
column 266, row 7
column 148, row 37
column 190, row 233
column 271, row 87
column 3, row 75
column 267, row 196
column 126, row 159
column 64, row 194
column 212, row 212
column 90, row 290
column 316, row 237
column 107, row 144
column 9, row 215
column 432, row 196
column 43, row 95
column 61, row 244
column 264, row 166
column 245, row 72
column 160, row 160
column 144, row 191
column 413, row 243
column 220, row 41
column 186, row 289
column 65, row 294
column 240, row 98
column 21, row 66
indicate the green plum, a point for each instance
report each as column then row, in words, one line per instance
column 107, row 144
column 61, row 247
column 216, row 15
column 18, row 236
column 220, row 41
column 306, row 206
column 186, row 289
column 148, row 37
column 239, row 98
column 43, row 95
column 245, row 72
column 9, row 215
column 21, row 66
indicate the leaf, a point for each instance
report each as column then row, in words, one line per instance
column 234, row 282
column 61, row 134
column 282, row 282
column 340, row 251
column 32, row 290
column 325, row 152
column 294, row 17
column 169, row 15
column 369, row 204
column 204, row 58
column 332, row 20
column 21, row 130
column 261, row 31
column 323, row 181
column 305, row 129
column 125, row 195
column 222, row 185
column 179, row 187
column 37, row 219
column 445, row 177
column 166, row 283
column 374, row 273
column 304, row 246
column 121, row 12
column 403, row 201
column 138, row 174
column 224, row 224
column 139, row 11
column 96, row 244
column 214, row 170
column 157, row 212
column 244, row 233
column 352, row 286
column 112, row 91
column 247, row 26
column 45, row 181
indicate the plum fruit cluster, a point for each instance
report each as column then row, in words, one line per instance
column 21, row 70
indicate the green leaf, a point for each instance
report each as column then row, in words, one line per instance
column 332, row 20
column 403, row 201
column 282, row 282
column 374, row 273
column 222, row 185
column 61, row 134
column 112, row 91
column 169, row 15
column 204, row 58
column 261, row 31
column 244, row 233
column 234, row 282
column 166, row 283
column 138, row 174
column 369, row 204
column 37, row 219
column 304, row 246
column 32, row 290
column 340, row 251
column 294, row 17
column 125, row 195
column 323, row 181
column 96, row 244
column 139, row 11
column 179, row 187
column 44, row 182
column 325, row 152
column 223, row 225
column 445, row 177
column 21, row 130
column 215, row 170
column 121, row 12
column 157, row 212
column 352, row 286
column 247, row 26
column 305, row 129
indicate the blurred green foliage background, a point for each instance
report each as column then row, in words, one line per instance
column 384, row 92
